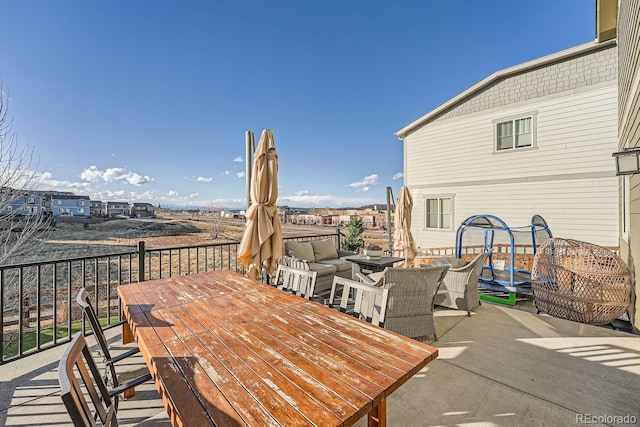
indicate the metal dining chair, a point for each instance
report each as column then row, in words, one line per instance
column 84, row 392
column 123, row 380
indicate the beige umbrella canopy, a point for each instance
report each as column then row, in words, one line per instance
column 403, row 244
column 261, row 245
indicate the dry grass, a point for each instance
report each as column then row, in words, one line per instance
column 77, row 238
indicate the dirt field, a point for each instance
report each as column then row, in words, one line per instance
column 78, row 238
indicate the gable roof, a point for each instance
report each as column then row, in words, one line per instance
column 563, row 55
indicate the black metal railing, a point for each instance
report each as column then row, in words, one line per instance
column 37, row 300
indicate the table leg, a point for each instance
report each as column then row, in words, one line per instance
column 378, row 415
column 355, row 269
column 127, row 335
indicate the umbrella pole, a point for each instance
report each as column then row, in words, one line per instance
column 250, row 149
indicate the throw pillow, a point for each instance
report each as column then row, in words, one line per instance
column 301, row 250
column 324, row 249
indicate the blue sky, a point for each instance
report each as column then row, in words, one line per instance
column 149, row 101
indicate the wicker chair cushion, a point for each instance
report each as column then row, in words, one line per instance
column 339, row 264
column 322, row 269
column 453, row 262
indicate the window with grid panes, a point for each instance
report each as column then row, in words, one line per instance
column 439, row 213
column 516, row 133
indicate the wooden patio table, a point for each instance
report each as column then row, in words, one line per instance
column 227, row 350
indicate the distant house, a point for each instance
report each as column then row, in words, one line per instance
column 535, row 138
column 114, row 209
column 140, row 210
column 21, row 204
column 65, row 205
column 96, row 208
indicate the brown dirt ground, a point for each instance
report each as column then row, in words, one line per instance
column 75, row 239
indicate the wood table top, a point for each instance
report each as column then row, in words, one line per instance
column 225, row 349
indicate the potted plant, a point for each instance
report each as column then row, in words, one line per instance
column 373, row 251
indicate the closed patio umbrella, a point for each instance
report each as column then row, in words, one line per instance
column 261, row 245
column 403, row 244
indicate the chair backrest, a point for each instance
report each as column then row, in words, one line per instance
column 298, row 282
column 412, row 290
column 293, row 262
column 85, row 302
column 85, row 378
column 364, row 301
column 478, row 264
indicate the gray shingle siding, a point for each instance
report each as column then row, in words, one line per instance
column 592, row 68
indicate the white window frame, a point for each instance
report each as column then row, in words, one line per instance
column 534, row 132
column 31, row 200
column 439, row 214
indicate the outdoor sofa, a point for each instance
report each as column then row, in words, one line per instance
column 320, row 256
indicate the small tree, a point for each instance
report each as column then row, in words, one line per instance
column 18, row 225
column 353, row 240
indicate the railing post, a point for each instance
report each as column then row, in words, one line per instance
column 141, row 274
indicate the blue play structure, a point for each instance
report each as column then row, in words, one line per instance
column 490, row 232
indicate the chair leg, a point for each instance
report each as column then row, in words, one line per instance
column 129, row 393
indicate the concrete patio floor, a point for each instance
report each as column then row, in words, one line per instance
column 503, row 366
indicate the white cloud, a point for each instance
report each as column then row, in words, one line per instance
column 398, row 175
column 225, row 173
column 121, row 195
column 238, row 159
column 194, row 195
column 366, row 183
column 172, row 193
column 93, row 174
column 45, row 181
column 203, row 179
column 124, row 196
column 240, row 174
column 305, row 199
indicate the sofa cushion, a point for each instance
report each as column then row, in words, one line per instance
column 340, row 264
column 322, row 269
column 324, row 249
column 301, row 250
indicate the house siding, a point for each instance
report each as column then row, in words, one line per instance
column 583, row 209
column 70, row 206
column 629, row 131
column 568, row 177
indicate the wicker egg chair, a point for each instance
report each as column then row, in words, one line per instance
column 580, row 281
